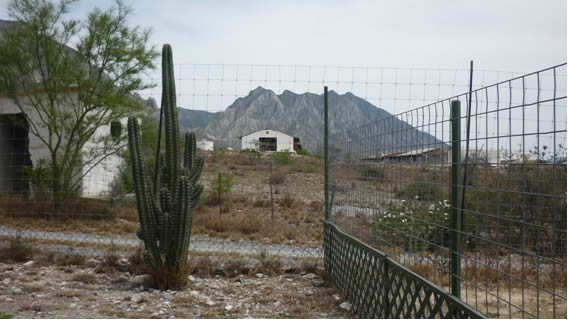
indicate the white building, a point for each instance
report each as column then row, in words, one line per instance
column 270, row 140
column 205, row 145
column 20, row 149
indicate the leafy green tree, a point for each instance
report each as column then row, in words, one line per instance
column 67, row 91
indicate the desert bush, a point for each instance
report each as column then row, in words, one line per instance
column 421, row 191
column 372, row 172
column 287, row 201
column 226, row 183
column 414, row 225
column 17, row 251
column 316, row 205
column 278, row 177
column 282, row 157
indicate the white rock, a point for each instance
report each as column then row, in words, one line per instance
column 277, row 304
column 6, row 281
column 138, row 279
column 309, row 293
column 73, row 305
column 136, row 298
column 345, row 306
column 309, row 276
column 337, row 297
column 259, row 275
column 228, row 307
column 17, row 291
column 209, row 302
column 191, row 278
column 9, row 300
column 194, row 293
column 29, row 263
column 166, row 296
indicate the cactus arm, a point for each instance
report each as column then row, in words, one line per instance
column 144, row 195
column 190, row 151
column 170, row 113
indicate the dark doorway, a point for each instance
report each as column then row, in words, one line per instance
column 14, row 153
column 267, row 144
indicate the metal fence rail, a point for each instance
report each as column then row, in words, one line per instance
column 500, row 242
column 379, row 287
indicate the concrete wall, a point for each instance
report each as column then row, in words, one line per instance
column 284, row 142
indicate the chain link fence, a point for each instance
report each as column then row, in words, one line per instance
column 480, row 212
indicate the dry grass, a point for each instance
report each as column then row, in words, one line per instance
column 165, row 278
column 69, row 260
column 17, row 251
column 86, row 278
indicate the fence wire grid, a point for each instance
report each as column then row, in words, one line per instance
column 390, row 186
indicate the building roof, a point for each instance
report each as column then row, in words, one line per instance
column 403, row 154
column 255, row 131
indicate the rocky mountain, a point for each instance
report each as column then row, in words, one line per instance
column 300, row 115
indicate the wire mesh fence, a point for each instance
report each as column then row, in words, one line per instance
column 500, row 243
column 100, row 208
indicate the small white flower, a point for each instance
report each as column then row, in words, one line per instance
column 432, row 207
column 416, row 197
column 403, row 220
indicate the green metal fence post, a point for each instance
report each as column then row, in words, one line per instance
column 326, row 152
column 455, row 201
column 326, row 234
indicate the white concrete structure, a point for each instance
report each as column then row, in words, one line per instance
column 205, row 145
column 30, row 150
column 268, row 140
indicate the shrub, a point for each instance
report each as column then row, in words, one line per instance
column 278, row 177
column 226, row 183
column 372, row 172
column 414, row 225
column 17, row 251
column 421, row 191
column 282, row 157
column 304, row 152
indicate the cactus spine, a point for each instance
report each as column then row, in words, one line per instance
column 166, row 226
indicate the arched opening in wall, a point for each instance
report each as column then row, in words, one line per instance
column 14, row 153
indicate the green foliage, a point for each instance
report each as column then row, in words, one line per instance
column 226, row 183
column 4, row 315
column 40, row 176
column 282, row 157
column 347, row 156
column 310, row 168
column 421, row 191
column 304, row 152
column 373, row 172
column 107, row 64
column 414, row 225
column 115, row 129
column 166, row 226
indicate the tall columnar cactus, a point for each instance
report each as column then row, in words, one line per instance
column 166, row 227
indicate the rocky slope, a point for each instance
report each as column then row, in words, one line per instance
column 300, row 115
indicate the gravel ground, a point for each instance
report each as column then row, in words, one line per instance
column 33, row 290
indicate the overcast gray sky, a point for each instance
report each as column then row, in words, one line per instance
column 497, row 35
column 519, row 36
